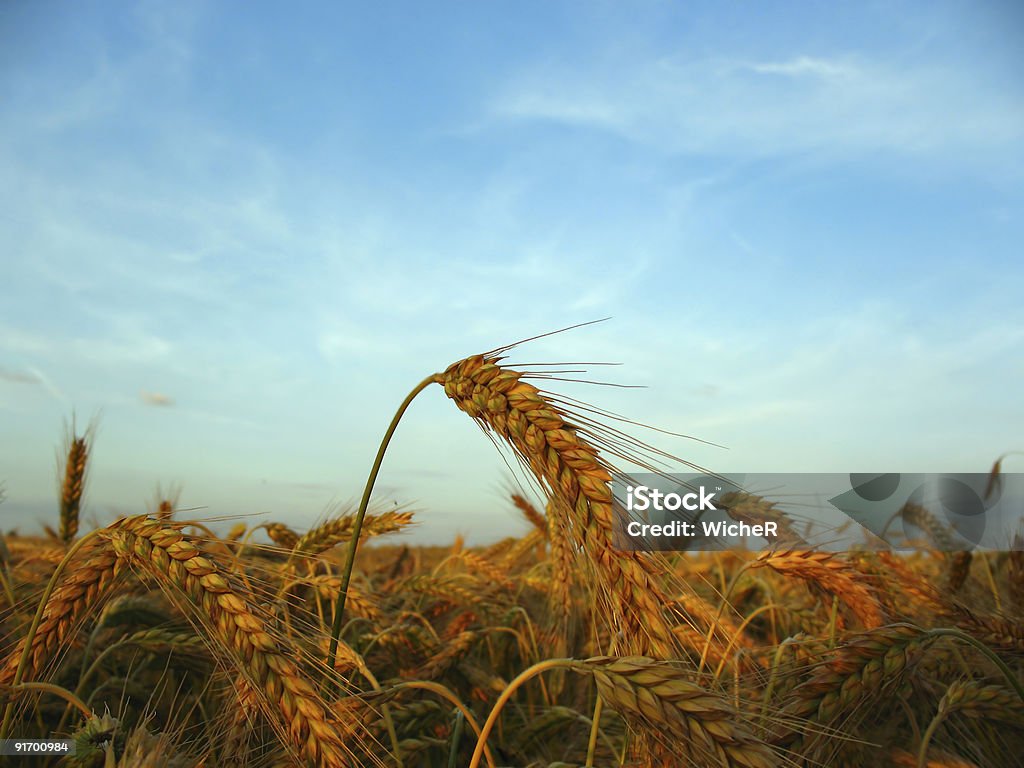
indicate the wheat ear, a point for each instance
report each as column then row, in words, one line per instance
column 73, row 485
column 836, row 576
column 569, row 468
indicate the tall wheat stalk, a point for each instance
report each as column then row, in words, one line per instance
column 566, row 462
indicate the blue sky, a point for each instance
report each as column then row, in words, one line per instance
column 240, row 233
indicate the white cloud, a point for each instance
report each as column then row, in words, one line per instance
column 51, row 389
column 806, row 65
column 762, row 108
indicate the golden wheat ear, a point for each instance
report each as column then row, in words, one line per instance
column 569, row 468
column 72, row 487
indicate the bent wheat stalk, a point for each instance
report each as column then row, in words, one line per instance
column 357, row 524
column 568, row 467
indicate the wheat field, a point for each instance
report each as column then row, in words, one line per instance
column 156, row 641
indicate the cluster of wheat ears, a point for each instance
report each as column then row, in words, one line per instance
column 154, row 641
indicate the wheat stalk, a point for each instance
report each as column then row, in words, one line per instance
column 700, row 725
column 530, row 512
column 1015, row 572
column 868, row 667
column 959, row 569
column 939, row 534
column 94, row 569
column 974, row 698
column 560, row 601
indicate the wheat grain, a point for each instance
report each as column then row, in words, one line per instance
column 757, row 510
column 163, row 552
column 167, row 555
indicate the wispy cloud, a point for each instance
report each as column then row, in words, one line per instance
column 806, row 65
column 755, row 108
column 42, row 380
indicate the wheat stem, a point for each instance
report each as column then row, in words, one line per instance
column 726, row 591
column 460, row 721
column 56, row 690
column 511, row 688
column 350, row 557
column 739, row 631
column 991, row 582
column 594, row 728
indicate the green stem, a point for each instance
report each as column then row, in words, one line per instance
column 339, row 610
column 5, row 578
column 385, row 710
column 776, row 662
column 922, row 753
column 460, row 720
column 727, row 590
